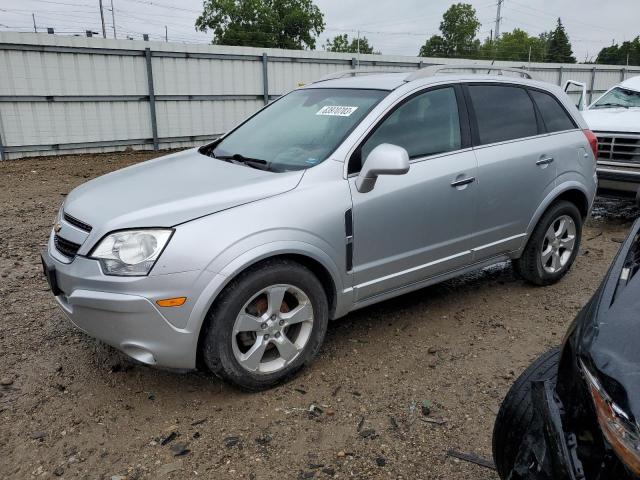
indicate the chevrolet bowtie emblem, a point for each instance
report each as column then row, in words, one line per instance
column 57, row 227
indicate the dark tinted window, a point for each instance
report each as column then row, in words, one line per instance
column 425, row 125
column 555, row 118
column 503, row 113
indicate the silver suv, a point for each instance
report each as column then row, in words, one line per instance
column 341, row 194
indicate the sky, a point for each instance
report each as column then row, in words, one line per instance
column 397, row 27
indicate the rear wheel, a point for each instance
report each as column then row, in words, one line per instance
column 266, row 325
column 516, row 412
column 553, row 245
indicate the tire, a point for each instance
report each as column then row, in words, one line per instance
column 223, row 349
column 530, row 265
column 516, row 412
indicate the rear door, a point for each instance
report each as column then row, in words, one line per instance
column 516, row 166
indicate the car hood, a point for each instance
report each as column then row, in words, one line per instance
column 613, row 119
column 608, row 332
column 171, row 190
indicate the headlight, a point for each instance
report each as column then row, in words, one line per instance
column 617, row 427
column 131, row 252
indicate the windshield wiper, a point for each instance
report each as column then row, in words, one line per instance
column 250, row 162
column 611, row 105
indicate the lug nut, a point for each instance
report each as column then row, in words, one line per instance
column 263, row 326
column 277, row 334
column 273, row 317
column 266, row 337
column 281, row 323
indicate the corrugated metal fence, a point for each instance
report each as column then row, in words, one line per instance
column 77, row 95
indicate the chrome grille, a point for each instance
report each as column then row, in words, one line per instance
column 77, row 223
column 65, row 247
column 619, row 147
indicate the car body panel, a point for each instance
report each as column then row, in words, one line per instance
column 402, row 218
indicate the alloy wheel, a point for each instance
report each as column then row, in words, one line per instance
column 558, row 244
column 272, row 329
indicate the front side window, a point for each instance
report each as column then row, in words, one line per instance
column 619, row 97
column 301, row 129
column 502, row 113
column 427, row 124
column 555, row 118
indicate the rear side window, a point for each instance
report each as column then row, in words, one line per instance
column 502, row 113
column 555, row 118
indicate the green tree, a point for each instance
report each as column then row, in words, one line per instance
column 559, row 48
column 515, row 46
column 628, row 52
column 458, row 27
column 340, row 43
column 292, row 24
column 434, row 47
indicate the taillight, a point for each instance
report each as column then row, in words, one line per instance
column 593, row 141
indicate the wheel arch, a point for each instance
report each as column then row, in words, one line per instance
column 572, row 192
column 322, row 267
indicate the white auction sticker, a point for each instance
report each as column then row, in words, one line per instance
column 336, row 111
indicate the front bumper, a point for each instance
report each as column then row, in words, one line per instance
column 560, row 456
column 618, row 179
column 121, row 311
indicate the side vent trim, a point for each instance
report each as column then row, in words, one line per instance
column 348, row 230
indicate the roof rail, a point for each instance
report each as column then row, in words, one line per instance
column 474, row 67
column 352, row 73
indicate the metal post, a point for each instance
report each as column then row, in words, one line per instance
column 104, row 31
column 593, row 83
column 265, row 78
column 498, row 19
column 152, row 99
column 113, row 20
column 33, row 16
column 145, row 37
column 2, row 154
column 560, row 76
column 420, row 65
column 353, row 62
column 623, row 74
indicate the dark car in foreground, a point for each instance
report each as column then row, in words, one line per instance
column 573, row 414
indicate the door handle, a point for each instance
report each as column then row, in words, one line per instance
column 545, row 161
column 463, row 182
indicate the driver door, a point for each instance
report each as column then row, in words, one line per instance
column 421, row 224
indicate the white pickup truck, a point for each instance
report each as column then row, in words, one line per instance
column 615, row 119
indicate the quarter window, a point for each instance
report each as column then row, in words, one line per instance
column 427, row 124
column 555, row 118
column 502, row 113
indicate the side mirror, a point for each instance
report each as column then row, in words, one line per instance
column 385, row 159
column 582, row 102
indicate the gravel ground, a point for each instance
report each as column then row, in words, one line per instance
column 70, row 408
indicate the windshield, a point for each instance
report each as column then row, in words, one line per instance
column 300, row 130
column 619, row 97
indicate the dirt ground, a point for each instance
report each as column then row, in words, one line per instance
column 72, row 409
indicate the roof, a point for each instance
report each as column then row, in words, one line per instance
column 632, row 83
column 391, row 81
column 377, row 81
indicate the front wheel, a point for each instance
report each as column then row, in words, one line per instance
column 266, row 325
column 553, row 245
column 515, row 416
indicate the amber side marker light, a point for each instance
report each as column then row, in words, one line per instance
column 172, row 302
